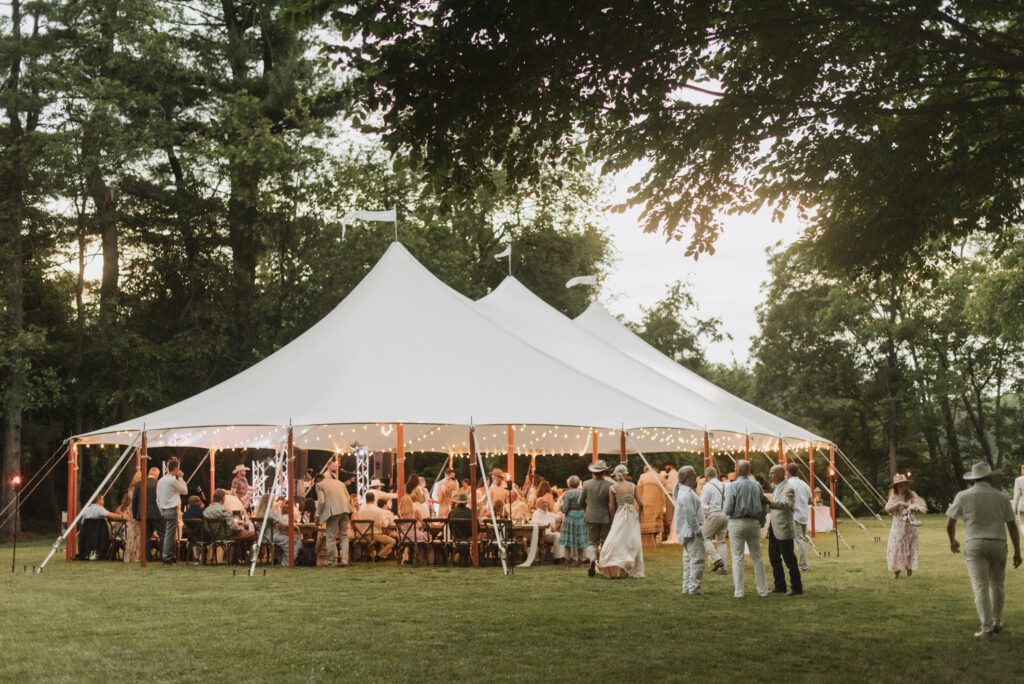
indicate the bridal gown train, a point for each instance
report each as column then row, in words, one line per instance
column 623, row 548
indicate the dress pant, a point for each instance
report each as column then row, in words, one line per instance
column 779, row 551
column 693, row 564
column 986, row 564
column 169, row 522
column 337, row 529
column 383, row 544
column 747, row 532
column 596, row 534
column 800, row 545
column 714, row 529
column 549, row 537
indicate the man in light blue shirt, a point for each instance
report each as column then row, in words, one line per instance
column 689, row 514
column 745, row 507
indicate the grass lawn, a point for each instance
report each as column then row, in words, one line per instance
column 104, row 621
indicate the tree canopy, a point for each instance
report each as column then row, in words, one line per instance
column 885, row 124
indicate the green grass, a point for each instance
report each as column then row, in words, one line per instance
column 104, row 621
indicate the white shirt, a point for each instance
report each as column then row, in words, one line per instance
column 169, row 490
column 712, row 496
column 1018, row 494
column 802, row 501
column 233, row 503
column 94, row 511
column 689, row 512
column 544, row 519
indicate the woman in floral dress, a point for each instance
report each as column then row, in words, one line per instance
column 574, row 531
column 904, row 506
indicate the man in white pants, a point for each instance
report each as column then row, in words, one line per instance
column 745, row 507
column 801, row 514
column 1018, row 498
column 985, row 510
column 712, row 497
column 689, row 513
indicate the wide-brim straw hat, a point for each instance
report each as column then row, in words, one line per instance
column 461, row 497
column 899, row 479
column 239, row 468
column 980, row 470
column 598, row 466
column 376, row 483
column 498, row 472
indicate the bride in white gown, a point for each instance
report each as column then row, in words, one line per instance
column 622, row 553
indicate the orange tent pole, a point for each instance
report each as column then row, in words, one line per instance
column 511, row 454
column 622, row 446
column 782, row 453
column 832, row 483
column 594, row 451
column 143, row 539
column 400, row 459
column 291, row 499
column 474, row 550
column 71, row 541
column 209, row 500
column 746, row 447
column 810, row 457
column 707, row 451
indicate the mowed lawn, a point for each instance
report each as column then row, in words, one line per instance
column 104, row 621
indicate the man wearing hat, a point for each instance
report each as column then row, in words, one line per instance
column 985, row 510
column 377, row 487
column 461, row 518
column 240, row 485
column 596, row 513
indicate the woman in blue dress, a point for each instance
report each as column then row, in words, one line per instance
column 574, row 531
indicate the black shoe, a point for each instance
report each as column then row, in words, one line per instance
column 793, row 592
column 778, row 591
column 591, row 571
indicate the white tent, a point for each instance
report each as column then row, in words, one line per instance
column 403, row 348
column 526, row 315
column 598, row 322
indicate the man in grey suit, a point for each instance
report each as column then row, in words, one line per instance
column 596, row 514
column 334, row 510
column 781, row 532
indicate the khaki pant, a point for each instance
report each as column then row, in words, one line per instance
column 800, row 545
column 596, row 534
column 986, row 564
column 336, row 531
column 693, row 564
column 383, row 544
column 714, row 529
column 747, row 532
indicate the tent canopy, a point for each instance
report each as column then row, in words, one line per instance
column 403, row 347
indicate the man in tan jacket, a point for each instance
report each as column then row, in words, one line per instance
column 334, row 510
column 781, row 532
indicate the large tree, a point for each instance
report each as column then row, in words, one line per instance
column 886, row 123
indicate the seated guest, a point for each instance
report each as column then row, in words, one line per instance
column 95, row 536
column 460, row 520
column 220, row 522
column 383, row 542
column 548, row 523
column 235, row 505
column 124, row 510
column 194, row 510
column 96, row 511
column 415, row 531
column 520, row 511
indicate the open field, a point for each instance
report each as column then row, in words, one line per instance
column 103, row 621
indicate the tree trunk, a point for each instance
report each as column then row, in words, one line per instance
column 955, row 458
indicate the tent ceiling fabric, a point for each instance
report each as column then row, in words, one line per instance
column 597, row 321
column 529, row 317
column 405, row 347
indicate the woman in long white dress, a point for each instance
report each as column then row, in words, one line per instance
column 622, row 554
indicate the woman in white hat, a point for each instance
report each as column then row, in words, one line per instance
column 904, row 506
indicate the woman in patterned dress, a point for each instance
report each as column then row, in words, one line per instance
column 903, row 505
column 574, row 531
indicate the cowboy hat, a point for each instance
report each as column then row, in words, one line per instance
column 239, row 468
column 461, row 497
column 374, row 483
column 979, row 471
column 598, row 466
column 899, row 478
column 498, row 472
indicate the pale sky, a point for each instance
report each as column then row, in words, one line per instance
column 726, row 284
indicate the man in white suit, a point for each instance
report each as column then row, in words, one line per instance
column 1018, row 498
column 334, row 510
column 688, row 516
column 781, row 533
column 801, row 514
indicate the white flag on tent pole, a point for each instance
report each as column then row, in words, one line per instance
column 507, row 252
column 581, row 280
column 389, row 216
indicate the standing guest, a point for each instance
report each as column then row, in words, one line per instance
column 622, row 554
column 124, row 509
column 1018, row 497
column 334, row 510
column 801, row 514
column 712, row 499
column 781, row 533
column 216, row 515
column 596, row 513
column 132, row 526
column 744, row 506
column 548, row 523
column 985, row 510
column 169, row 491
column 240, row 485
column 154, row 523
column 383, row 542
column 378, row 492
column 903, row 505
column 649, row 492
column 497, row 490
column 689, row 512
column 671, row 482
column 574, row 531
column 445, row 492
